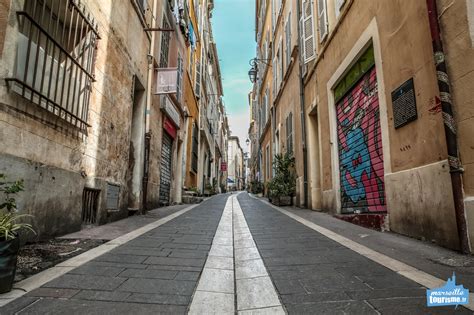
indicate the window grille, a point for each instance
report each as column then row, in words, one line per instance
column 90, row 204
column 165, row 43
column 55, row 58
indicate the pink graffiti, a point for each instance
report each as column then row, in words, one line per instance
column 360, row 109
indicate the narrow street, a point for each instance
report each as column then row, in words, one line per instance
column 232, row 253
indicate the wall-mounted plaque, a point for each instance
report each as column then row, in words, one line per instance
column 404, row 104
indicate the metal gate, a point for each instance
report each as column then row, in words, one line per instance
column 360, row 148
column 165, row 178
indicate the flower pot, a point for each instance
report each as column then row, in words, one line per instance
column 8, row 256
column 281, row 201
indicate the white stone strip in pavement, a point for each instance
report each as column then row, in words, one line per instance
column 215, row 290
column 37, row 280
column 412, row 273
column 255, row 291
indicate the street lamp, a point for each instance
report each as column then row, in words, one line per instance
column 254, row 68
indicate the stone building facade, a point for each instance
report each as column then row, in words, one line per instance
column 97, row 103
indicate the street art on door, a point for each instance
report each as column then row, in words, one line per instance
column 360, row 148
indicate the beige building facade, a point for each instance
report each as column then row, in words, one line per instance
column 375, row 114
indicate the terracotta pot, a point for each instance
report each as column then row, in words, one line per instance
column 8, row 257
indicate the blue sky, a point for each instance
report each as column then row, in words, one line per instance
column 234, row 32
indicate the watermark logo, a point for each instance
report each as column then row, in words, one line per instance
column 449, row 294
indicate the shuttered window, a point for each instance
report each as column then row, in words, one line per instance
column 267, row 171
column 307, row 29
column 275, row 78
column 197, row 87
column 322, row 19
column 289, row 132
column 288, row 40
column 179, row 85
column 280, row 62
column 194, row 160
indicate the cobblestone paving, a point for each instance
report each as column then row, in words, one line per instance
column 155, row 273
column 315, row 275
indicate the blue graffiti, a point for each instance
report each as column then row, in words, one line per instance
column 355, row 160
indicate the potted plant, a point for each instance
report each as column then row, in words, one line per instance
column 9, row 228
column 256, row 188
column 282, row 186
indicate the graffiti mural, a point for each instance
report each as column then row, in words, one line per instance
column 360, row 148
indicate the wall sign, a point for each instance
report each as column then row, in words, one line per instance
column 170, row 110
column 404, row 104
column 224, row 166
column 170, row 127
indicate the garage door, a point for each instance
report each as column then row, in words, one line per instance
column 165, row 178
column 360, row 147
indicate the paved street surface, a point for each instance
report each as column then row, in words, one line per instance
column 231, row 254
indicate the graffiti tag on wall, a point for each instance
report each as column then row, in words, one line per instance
column 360, row 148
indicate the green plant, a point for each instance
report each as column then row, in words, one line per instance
column 256, row 187
column 284, row 181
column 194, row 189
column 9, row 225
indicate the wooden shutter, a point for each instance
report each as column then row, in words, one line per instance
column 323, row 19
column 288, row 40
column 198, row 80
column 179, row 84
column 307, row 28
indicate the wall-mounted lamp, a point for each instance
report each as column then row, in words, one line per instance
column 254, row 68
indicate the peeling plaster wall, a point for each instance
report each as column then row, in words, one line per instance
column 33, row 139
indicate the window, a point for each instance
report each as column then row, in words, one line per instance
column 55, row 58
column 289, row 132
column 323, row 19
column 267, row 166
column 194, row 158
column 280, row 62
column 307, row 30
column 288, row 40
column 338, row 6
column 142, row 4
column 179, row 88
column 197, row 82
column 165, row 43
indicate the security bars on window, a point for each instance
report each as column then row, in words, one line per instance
column 55, row 58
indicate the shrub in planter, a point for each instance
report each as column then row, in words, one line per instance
column 256, row 187
column 282, row 186
column 9, row 229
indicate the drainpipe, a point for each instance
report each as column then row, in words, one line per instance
column 302, row 111
column 455, row 166
column 149, row 96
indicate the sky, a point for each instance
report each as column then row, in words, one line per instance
column 234, row 32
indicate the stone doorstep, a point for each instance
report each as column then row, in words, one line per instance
column 375, row 221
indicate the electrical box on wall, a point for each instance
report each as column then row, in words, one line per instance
column 113, row 194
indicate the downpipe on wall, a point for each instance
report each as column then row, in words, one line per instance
column 302, row 111
column 455, row 166
column 149, row 96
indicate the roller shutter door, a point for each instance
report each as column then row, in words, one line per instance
column 360, row 148
column 165, row 178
